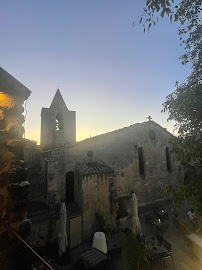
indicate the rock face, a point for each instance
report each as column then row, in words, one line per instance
column 13, row 184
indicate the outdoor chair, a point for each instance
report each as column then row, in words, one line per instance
column 168, row 254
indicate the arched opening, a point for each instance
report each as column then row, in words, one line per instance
column 59, row 125
column 69, row 187
column 141, row 160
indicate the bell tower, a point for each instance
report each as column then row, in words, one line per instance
column 58, row 124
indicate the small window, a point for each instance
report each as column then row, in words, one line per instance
column 59, row 122
column 141, row 160
column 168, row 159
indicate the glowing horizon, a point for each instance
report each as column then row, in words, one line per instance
column 111, row 73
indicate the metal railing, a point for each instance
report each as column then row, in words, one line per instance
column 31, row 249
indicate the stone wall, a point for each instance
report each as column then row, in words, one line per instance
column 96, row 203
column 13, row 184
column 119, row 149
column 50, row 137
column 37, row 180
column 55, row 134
column 53, row 169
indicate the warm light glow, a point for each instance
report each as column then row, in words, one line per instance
column 162, row 211
column 83, row 134
column 6, row 101
column 159, row 220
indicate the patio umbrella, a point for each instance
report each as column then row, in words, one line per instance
column 136, row 226
column 62, row 235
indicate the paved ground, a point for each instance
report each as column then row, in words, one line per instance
column 182, row 257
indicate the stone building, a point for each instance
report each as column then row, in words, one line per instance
column 13, row 184
column 139, row 155
column 58, row 124
column 94, row 195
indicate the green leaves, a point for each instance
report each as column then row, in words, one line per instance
column 137, row 253
column 184, row 105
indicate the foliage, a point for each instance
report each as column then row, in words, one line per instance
column 184, row 105
column 137, row 254
column 190, row 193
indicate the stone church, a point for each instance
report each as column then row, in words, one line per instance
column 95, row 176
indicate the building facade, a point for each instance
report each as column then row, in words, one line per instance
column 139, row 155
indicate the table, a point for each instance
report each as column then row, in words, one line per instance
column 193, row 243
column 195, row 238
column 156, row 247
column 159, row 249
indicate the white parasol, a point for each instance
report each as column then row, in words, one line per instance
column 62, row 235
column 136, row 226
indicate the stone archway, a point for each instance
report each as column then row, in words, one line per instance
column 69, row 197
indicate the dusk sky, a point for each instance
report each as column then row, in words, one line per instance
column 111, row 73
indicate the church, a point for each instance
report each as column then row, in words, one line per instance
column 95, row 177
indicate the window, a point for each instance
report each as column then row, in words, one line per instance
column 168, row 159
column 59, row 122
column 141, row 160
column 135, row 151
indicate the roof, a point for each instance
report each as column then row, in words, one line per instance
column 93, row 168
column 58, row 102
column 120, row 132
column 8, row 84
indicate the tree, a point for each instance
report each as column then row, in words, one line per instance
column 138, row 253
column 184, row 105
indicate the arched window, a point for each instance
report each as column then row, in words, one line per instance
column 168, row 159
column 59, row 121
column 141, row 160
column 69, row 187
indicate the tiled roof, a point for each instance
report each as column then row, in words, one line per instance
column 93, row 168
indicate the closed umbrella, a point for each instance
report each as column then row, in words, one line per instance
column 62, row 235
column 136, row 226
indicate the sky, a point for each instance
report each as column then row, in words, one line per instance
column 111, row 73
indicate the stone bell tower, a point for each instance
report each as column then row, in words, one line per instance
column 58, row 124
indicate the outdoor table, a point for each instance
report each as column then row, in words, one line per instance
column 159, row 249
column 194, row 244
column 195, row 239
column 156, row 247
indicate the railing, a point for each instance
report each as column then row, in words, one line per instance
column 31, row 249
